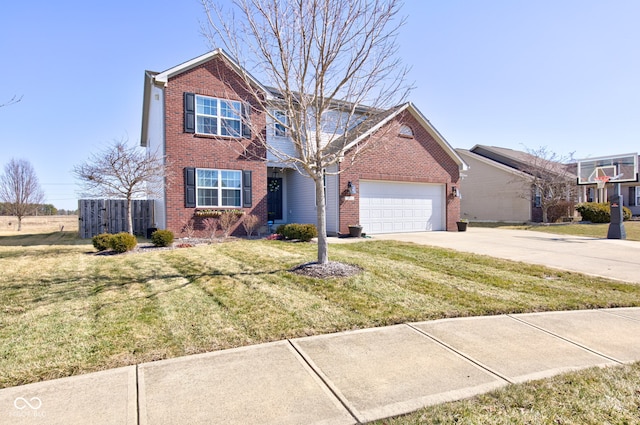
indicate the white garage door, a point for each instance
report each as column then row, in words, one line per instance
column 393, row 207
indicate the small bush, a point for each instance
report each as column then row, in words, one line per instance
column 250, row 223
column 560, row 210
column 599, row 212
column 211, row 226
column 123, row 242
column 227, row 220
column 102, row 242
column 302, row 232
column 162, row 237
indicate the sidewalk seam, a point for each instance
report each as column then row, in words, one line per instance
column 577, row 344
column 324, row 380
column 137, row 397
column 614, row 313
column 461, row 354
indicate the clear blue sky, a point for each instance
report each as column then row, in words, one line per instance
column 512, row 73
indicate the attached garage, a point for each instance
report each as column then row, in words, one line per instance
column 394, row 207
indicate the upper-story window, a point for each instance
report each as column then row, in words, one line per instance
column 218, row 117
column 281, row 123
column 406, row 131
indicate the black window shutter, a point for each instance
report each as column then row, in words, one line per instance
column 246, row 120
column 246, row 189
column 189, row 113
column 190, row 187
column 632, row 196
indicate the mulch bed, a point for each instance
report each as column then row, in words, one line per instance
column 324, row 271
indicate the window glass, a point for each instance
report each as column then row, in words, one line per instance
column 218, row 188
column 207, row 178
column 218, row 117
column 405, row 130
column 280, row 124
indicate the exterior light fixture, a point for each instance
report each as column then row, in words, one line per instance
column 351, row 188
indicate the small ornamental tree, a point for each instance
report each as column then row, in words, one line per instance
column 122, row 172
column 547, row 180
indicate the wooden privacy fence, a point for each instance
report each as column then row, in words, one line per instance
column 110, row 216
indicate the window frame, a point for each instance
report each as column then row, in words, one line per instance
column 280, row 124
column 406, row 131
column 220, row 188
column 233, row 114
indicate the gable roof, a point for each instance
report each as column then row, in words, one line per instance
column 161, row 79
column 518, row 160
column 492, row 163
column 377, row 121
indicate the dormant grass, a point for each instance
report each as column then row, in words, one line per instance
column 65, row 310
column 590, row 397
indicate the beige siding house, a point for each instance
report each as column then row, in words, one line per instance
column 491, row 191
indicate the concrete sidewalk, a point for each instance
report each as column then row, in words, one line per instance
column 610, row 258
column 344, row 378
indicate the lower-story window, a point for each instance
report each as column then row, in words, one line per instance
column 218, row 188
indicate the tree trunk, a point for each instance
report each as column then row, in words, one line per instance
column 129, row 218
column 19, row 223
column 323, row 248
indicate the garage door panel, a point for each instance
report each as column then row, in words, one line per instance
column 387, row 207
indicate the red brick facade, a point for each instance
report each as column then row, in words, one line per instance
column 216, row 79
column 392, row 157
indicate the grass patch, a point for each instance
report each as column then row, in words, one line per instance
column 599, row 230
column 592, row 396
column 65, row 311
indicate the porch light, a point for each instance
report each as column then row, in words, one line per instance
column 454, row 191
column 351, row 188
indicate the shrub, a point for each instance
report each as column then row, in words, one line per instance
column 188, row 227
column 227, row 220
column 302, row 232
column 250, row 223
column 211, row 226
column 599, row 212
column 560, row 210
column 102, row 242
column 123, row 242
column 162, row 237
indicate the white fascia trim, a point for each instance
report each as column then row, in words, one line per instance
column 146, row 104
column 375, row 127
column 492, row 163
column 438, row 137
column 426, row 124
column 163, row 77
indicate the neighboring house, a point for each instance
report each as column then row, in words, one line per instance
column 630, row 190
column 196, row 114
column 494, row 187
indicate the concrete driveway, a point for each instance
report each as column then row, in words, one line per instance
column 610, row 258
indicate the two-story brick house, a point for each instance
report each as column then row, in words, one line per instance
column 196, row 115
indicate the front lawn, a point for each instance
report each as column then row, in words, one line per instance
column 591, row 230
column 589, row 397
column 65, row 310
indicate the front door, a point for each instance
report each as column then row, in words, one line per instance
column 274, row 198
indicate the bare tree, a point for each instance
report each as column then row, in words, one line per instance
column 332, row 65
column 14, row 99
column 122, row 172
column 20, row 189
column 549, row 181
